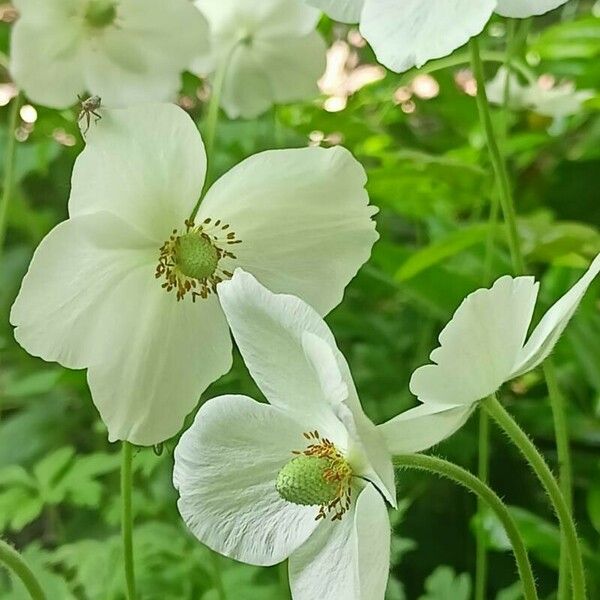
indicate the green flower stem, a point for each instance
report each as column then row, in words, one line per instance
column 14, row 562
column 506, row 199
column 217, row 578
column 462, row 477
column 564, row 467
column 9, row 166
column 482, row 474
column 212, row 121
column 541, row 469
column 127, row 518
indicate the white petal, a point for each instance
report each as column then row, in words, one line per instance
column 495, row 89
column 306, row 375
column 303, row 218
column 45, row 56
column 231, row 20
column 246, row 89
column 560, row 101
column 180, row 348
column 411, row 32
column 269, row 331
column 226, row 466
column 347, row 559
column 479, row 345
column 76, row 265
column 292, row 65
column 145, row 164
column 346, row 11
column 422, row 427
column 522, row 9
column 142, row 58
column 553, row 323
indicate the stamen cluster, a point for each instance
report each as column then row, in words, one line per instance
column 189, row 262
column 335, row 472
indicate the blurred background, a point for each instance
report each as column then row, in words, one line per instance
column 419, row 138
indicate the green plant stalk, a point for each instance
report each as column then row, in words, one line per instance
column 127, row 518
column 462, row 477
column 506, row 199
column 14, row 562
column 542, row 471
column 217, row 578
column 9, row 167
column 211, row 124
column 483, row 465
column 561, row 433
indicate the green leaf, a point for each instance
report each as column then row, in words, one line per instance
column 444, row 584
column 570, row 39
column 449, row 246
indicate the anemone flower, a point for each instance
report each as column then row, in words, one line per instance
column 125, row 287
column 304, row 477
column 408, row 33
column 267, row 52
column 484, row 345
column 124, row 51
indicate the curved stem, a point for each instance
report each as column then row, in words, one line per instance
column 468, row 480
column 506, row 199
column 9, row 166
column 482, row 474
column 561, row 433
column 127, row 519
column 541, row 469
column 14, row 562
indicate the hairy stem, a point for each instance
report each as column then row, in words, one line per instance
column 14, row 562
column 9, row 167
column 127, row 519
column 468, row 480
column 561, row 433
column 542, row 471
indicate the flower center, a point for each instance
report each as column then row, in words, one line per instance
column 318, row 476
column 190, row 262
column 101, row 13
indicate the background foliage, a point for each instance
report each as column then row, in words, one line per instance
column 429, row 174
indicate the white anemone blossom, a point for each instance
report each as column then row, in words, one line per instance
column 126, row 286
column 542, row 96
column 408, row 33
column 484, row 345
column 269, row 51
column 125, row 51
column 305, row 477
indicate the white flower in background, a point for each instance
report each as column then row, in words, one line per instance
column 125, row 287
column 125, row 51
column 269, row 50
column 485, row 345
column 542, row 97
column 304, row 477
column 408, row 33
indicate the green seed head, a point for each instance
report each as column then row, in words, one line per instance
column 101, row 13
column 302, row 481
column 196, row 256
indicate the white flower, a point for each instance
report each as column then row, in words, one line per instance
column 270, row 51
column 299, row 220
column 303, row 477
column 408, row 33
column 484, row 345
column 125, row 51
column 548, row 100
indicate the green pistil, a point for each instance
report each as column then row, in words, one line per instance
column 302, row 481
column 101, row 13
column 196, row 256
